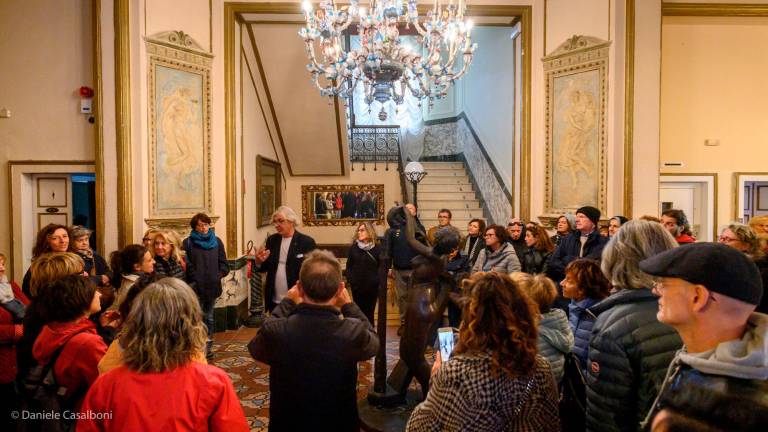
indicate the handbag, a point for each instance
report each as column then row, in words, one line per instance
column 573, row 396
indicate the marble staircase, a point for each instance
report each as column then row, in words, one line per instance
column 447, row 185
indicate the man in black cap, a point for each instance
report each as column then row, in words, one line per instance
column 708, row 293
column 584, row 242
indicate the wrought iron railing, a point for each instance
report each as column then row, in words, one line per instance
column 374, row 145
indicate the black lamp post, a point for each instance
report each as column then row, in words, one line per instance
column 414, row 172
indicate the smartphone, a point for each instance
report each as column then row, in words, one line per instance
column 445, row 339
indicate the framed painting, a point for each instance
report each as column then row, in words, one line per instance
column 576, row 102
column 268, row 182
column 179, row 93
column 339, row 205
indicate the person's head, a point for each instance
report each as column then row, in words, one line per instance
column 149, row 235
column 2, row 265
column 69, row 298
column 706, row 288
column 133, row 259
column 536, row 237
column 164, row 329
column 200, row 223
column 515, row 229
column 284, row 220
column 759, row 224
column 366, row 233
column 411, row 209
column 587, row 219
column 614, row 224
column 164, row 246
column 565, row 224
column 499, row 319
column 674, row 221
column 51, row 238
column 320, row 277
column 650, row 218
column 539, row 288
column 635, row 241
column 80, row 238
column 476, row 227
column 585, row 279
column 495, row 236
column 741, row 237
column 444, row 217
column 53, row 266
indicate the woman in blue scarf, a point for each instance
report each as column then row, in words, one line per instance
column 206, row 265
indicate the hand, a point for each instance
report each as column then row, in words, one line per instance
column 111, row 318
column 262, row 254
column 343, row 297
column 295, row 295
column 436, row 365
column 104, row 280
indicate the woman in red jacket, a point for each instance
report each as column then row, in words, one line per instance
column 67, row 303
column 160, row 387
column 12, row 307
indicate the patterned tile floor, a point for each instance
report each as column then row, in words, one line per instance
column 251, row 379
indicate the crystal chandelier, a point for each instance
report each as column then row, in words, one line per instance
column 386, row 67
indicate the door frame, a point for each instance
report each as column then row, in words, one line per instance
column 16, row 171
column 739, row 178
column 711, row 181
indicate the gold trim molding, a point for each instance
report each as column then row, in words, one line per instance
column 629, row 107
column 98, row 136
column 735, row 190
column 180, row 225
column 714, row 9
column 123, row 123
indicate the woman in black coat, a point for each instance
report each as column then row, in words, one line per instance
column 363, row 269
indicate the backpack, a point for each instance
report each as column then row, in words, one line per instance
column 41, row 393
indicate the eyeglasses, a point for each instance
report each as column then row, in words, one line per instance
column 146, row 239
column 361, row 229
column 724, row 239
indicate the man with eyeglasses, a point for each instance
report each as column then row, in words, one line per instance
column 584, row 242
column 443, row 220
column 708, row 293
column 282, row 255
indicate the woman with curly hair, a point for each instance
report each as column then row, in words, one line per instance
column 160, row 387
column 50, row 238
column 495, row 380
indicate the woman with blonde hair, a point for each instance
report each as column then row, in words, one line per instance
column 494, row 380
column 745, row 239
column 160, row 387
column 167, row 254
column 363, row 268
column 759, row 224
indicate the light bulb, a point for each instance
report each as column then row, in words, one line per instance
column 307, row 6
column 469, row 26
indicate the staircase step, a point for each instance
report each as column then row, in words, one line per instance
column 442, row 165
column 445, row 180
column 461, row 224
column 456, row 188
column 426, row 204
column 447, row 172
column 457, row 214
column 453, row 196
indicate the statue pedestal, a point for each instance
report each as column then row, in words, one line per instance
column 381, row 418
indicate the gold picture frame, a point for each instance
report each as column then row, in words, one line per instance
column 576, row 147
column 179, row 101
column 340, row 205
column 268, row 189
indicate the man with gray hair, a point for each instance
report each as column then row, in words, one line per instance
column 312, row 343
column 282, row 255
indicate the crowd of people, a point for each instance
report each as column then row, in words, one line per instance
column 640, row 328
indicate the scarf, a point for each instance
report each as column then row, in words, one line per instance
column 365, row 246
column 204, row 241
column 86, row 253
column 6, row 290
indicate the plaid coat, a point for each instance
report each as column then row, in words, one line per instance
column 464, row 396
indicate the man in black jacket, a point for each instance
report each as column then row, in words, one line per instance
column 282, row 256
column 584, row 242
column 312, row 343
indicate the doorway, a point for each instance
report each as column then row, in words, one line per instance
column 696, row 196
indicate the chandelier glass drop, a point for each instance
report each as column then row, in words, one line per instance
column 386, row 67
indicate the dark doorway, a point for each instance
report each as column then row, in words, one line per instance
column 84, row 203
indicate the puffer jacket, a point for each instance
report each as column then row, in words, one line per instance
column 581, row 320
column 555, row 340
column 629, row 353
column 535, row 261
column 503, row 260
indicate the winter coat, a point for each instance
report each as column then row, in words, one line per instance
column 465, row 396
column 77, row 365
column 629, row 353
column 684, row 239
column 476, row 248
column 555, row 340
column 10, row 333
column 581, row 320
column 569, row 249
column 126, row 284
column 762, row 266
column 504, row 260
column 169, row 268
column 363, row 268
column 192, row 397
column 735, row 368
column 205, row 268
column 95, row 266
column 300, row 246
column 535, row 261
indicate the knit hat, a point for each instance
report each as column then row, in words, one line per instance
column 720, row 268
column 571, row 220
column 590, row 212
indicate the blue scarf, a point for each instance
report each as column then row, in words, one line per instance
column 204, row 241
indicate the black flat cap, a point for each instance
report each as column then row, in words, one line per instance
column 720, row 268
